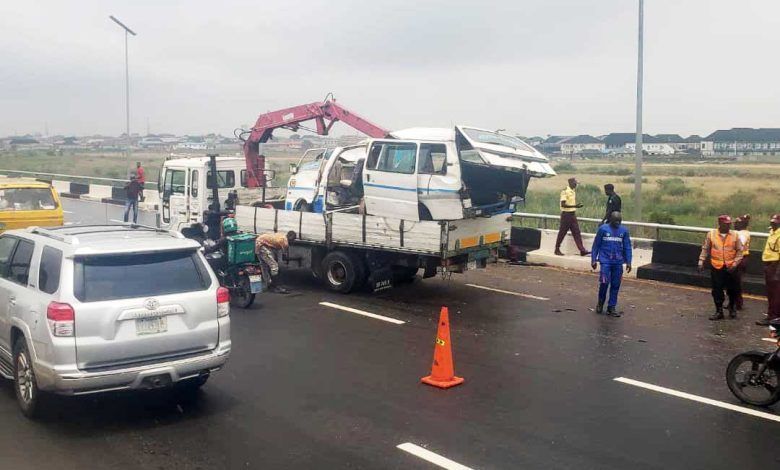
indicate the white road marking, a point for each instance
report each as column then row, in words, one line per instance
column 706, row 401
column 67, row 212
column 431, row 457
column 519, row 294
column 771, row 340
column 362, row 312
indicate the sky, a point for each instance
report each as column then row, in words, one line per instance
column 533, row 67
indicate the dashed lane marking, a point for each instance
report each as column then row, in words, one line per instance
column 363, row 312
column 519, row 294
column 706, row 401
column 431, row 457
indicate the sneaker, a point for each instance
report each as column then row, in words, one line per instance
column 558, row 253
column 732, row 313
column 613, row 313
column 718, row 315
column 600, row 308
column 584, row 253
column 763, row 322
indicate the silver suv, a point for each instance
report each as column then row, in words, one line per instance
column 88, row 309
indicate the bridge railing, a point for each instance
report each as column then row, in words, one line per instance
column 649, row 230
column 75, row 178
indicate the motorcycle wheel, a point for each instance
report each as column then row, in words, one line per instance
column 242, row 296
column 743, row 381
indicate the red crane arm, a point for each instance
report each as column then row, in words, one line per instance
column 325, row 114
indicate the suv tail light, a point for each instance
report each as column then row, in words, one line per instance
column 61, row 318
column 223, row 302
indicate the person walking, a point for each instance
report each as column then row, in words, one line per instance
column 611, row 249
column 132, row 189
column 140, row 175
column 771, row 259
column 724, row 250
column 614, row 203
column 569, row 208
column 741, row 226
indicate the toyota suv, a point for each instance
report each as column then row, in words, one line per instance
column 87, row 309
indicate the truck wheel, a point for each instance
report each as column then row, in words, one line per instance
column 342, row 272
column 424, row 213
column 25, row 385
column 302, row 206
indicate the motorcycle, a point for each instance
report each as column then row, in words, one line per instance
column 754, row 376
column 244, row 280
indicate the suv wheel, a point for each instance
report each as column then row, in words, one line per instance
column 25, row 384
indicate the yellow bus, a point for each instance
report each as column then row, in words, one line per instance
column 26, row 203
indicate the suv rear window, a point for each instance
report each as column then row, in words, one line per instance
column 110, row 277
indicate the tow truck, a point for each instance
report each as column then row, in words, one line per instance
column 345, row 245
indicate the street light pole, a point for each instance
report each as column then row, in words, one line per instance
column 127, row 92
column 638, row 149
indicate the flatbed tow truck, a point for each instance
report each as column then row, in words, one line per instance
column 344, row 248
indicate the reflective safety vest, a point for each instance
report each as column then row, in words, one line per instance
column 723, row 251
column 746, row 244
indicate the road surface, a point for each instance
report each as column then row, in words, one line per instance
column 313, row 386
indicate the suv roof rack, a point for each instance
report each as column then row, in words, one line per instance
column 69, row 239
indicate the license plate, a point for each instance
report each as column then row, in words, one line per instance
column 471, row 265
column 255, row 284
column 150, row 326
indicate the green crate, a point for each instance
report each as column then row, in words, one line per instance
column 241, row 248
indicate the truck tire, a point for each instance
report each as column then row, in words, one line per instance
column 424, row 213
column 342, row 272
column 302, row 206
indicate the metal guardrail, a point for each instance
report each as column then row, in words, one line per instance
column 652, row 227
column 115, row 181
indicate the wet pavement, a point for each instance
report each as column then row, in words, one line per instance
column 309, row 386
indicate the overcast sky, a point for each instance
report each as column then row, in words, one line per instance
column 534, row 67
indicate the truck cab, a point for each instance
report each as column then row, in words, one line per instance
column 419, row 174
column 185, row 186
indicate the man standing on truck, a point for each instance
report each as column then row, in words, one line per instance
column 569, row 208
column 611, row 249
column 267, row 246
column 724, row 249
column 132, row 188
column 614, row 203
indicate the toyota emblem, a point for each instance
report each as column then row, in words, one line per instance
column 151, row 304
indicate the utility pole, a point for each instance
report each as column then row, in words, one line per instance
column 127, row 91
column 638, row 149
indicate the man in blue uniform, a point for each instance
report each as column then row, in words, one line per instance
column 611, row 249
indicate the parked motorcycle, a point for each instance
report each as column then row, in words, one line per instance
column 754, row 376
column 244, row 279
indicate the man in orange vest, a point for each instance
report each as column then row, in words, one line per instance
column 724, row 250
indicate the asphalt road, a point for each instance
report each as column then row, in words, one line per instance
column 83, row 212
column 310, row 386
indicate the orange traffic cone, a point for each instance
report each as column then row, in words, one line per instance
column 443, row 370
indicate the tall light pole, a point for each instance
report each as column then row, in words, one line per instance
column 127, row 92
column 638, row 149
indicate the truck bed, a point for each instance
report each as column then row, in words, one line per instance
column 433, row 238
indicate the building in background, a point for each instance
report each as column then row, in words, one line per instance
column 582, row 145
column 741, row 141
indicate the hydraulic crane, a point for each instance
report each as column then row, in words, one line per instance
column 324, row 113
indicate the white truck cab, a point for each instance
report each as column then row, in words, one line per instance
column 419, row 174
column 185, row 186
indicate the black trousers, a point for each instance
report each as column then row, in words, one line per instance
column 723, row 279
